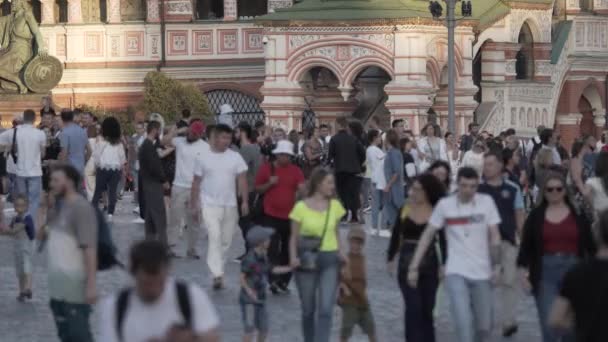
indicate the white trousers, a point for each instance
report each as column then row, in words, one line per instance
column 511, row 291
column 180, row 213
column 221, row 223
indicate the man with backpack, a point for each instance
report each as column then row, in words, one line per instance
column 158, row 308
column 72, row 231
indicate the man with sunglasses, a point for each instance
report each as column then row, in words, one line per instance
column 510, row 204
column 470, row 220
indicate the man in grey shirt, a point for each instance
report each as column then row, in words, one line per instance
column 72, row 256
column 74, row 142
column 250, row 151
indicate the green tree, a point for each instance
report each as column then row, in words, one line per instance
column 126, row 117
column 169, row 97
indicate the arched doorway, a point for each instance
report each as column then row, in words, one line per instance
column 244, row 107
column 524, row 60
column 370, row 96
column 589, row 103
column 322, row 94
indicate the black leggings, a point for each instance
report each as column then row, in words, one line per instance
column 106, row 180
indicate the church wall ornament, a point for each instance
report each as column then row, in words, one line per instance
column 228, row 41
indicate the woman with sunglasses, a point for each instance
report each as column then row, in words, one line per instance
column 555, row 237
column 424, row 193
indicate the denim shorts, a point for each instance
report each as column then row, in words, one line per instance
column 255, row 318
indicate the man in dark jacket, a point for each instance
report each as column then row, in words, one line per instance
column 347, row 155
column 153, row 185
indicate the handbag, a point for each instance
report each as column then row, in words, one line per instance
column 258, row 204
column 308, row 247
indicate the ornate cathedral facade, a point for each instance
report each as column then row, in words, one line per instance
column 519, row 63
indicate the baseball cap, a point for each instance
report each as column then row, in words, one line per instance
column 258, row 234
column 197, row 127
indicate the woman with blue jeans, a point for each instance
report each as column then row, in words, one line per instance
column 317, row 216
column 555, row 237
column 109, row 157
column 375, row 167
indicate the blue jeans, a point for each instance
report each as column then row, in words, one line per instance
column 32, row 188
column 389, row 212
column 106, row 180
column 471, row 305
column 255, row 318
column 554, row 268
column 377, row 196
column 72, row 321
column 318, row 291
column 365, row 189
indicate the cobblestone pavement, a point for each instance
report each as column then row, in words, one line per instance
column 32, row 322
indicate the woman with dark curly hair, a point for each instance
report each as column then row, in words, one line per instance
column 441, row 170
column 109, row 158
column 424, row 193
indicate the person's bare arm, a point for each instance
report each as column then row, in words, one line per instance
column 250, row 292
column 561, row 315
column 293, row 245
column 195, row 202
column 520, row 218
column 212, row 335
column 423, row 245
column 90, row 264
column 576, row 170
column 88, row 151
column 243, row 187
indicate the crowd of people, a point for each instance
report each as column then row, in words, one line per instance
column 470, row 214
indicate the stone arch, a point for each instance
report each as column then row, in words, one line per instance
column 534, row 27
column 301, row 68
column 433, row 74
column 436, row 51
column 356, row 67
column 537, row 118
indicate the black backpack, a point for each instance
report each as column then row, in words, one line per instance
column 183, row 300
column 106, row 250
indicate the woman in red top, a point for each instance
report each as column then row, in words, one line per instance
column 555, row 237
column 279, row 181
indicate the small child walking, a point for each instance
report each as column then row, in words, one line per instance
column 353, row 290
column 254, row 280
column 21, row 229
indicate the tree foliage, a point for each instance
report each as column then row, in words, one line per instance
column 169, row 97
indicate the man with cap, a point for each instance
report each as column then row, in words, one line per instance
column 279, row 181
column 188, row 147
column 255, row 267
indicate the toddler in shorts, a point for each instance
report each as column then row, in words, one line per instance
column 353, row 290
column 21, row 230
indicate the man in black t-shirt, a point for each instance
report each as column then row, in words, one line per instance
column 466, row 142
column 584, row 294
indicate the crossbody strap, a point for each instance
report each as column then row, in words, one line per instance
column 14, row 146
column 326, row 223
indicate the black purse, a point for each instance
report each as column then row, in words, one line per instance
column 257, row 213
column 308, row 247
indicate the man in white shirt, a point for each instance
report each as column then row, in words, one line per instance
column 158, row 308
column 471, row 223
column 27, row 145
column 218, row 173
column 549, row 139
column 187, row 149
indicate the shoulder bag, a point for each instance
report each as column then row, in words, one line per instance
column 309, row 246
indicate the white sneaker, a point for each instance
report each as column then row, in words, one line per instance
column 138, row 220
column 385, row 233
column 136, row 210
column 110, row 218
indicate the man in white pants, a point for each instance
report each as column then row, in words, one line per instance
column 214, row 189
column 188, row 148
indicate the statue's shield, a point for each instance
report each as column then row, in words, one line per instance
column 42, row 74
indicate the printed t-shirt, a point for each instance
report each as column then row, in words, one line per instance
column 312, row 223
column 255, row 268
column 281, row 197
column 186, row 155
column 219, row 171
column 467, row 231
column 72, row 227
column 508, row 199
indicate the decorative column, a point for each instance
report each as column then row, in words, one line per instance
column 178, row 10
column 47, row 9
column 230, row 10
column 153, row 11
column 114, row 11
column 275, row 4
column 74, row 12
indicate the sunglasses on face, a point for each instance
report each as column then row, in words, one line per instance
column 555, row 189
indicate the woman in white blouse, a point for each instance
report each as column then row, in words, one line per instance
column 375, row 167
column 431, row 147
column 109, row 157
column 474, row 157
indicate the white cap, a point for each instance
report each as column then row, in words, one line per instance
column 283, row 147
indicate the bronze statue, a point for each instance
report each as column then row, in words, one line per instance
column 18, row 33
